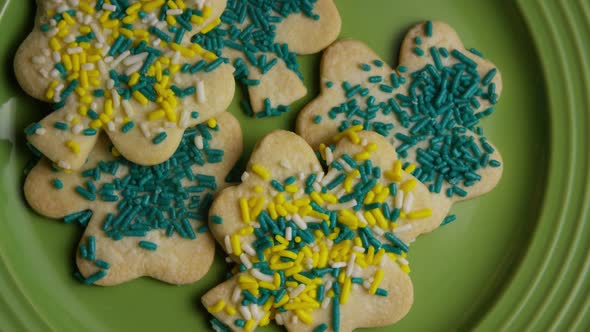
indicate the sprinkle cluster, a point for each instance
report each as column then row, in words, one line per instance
column 169, row 197
column 111, row 57
column 248, row 27
column 317, row 236
column 436, row 116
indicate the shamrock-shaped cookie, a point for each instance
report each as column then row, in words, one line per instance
column 315, row 249
column 142, row 220
column 262, row 39
column 429, row 108
column 124, row 67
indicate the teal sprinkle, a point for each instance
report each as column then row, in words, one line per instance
column 89, row 132
column 429, row 28
column 365, row 67
column 216, row 220
column 495, row 163
column 317, row 119
column 378, row 63
column 58, row 184
column 418, row 51
column 402, row 69
column 160, row 138
column 321, row 328
column 60, row 126
column 448, row 219
column 418, row 40
column 95, row 277
column 102, row 264
column 329, row 84
column 128, row 126
column 476, row 52
column 381, row 292
column 148, row 245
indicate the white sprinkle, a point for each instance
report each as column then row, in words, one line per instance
column 361, row 217
column 99, row 36
column 350, row 266
column 55, row 73
column 399, row 199
column 145, row 130
column 326, row 302
column 176, row 57
column 279, row 319
column 131, row 60
column 345, row 165
column 256, row 313
column 364, row 142
column 118, row 120
column 109, row 7
column 285, row 164
column 261, row 276
column 108, row 59
column 402, row 229
column 39, row 60
column 111, row 126
column 329, row 155
column 408, row 202
column 378, row 231
column 245, row 260
column 70, row 39
column 367, row 284
column 75, row 50
column 338, row 265
column 40, row 131
column 169, row 124
column 342, row 206
column 87, row 19
column 403, row 261
column 296, row 291
column 201, row 96
column 64, row 164
column 317, row 187
column 46, row 52
column 157, row 42
column 216, row 328
column 174, row 12
column 245, row 312
column 319, row 176
column 248, row 249
column 199, row 142
column 116, row 98
column 44, row 73
column 294, row 319
column 228, row 259
column 133, row 68
column 56, row 56
column 88, row 66
column 235, row 297
column 299, row 221
column 316, row 168
column 74, row 3
column 52, row 22
column 110, row 84
column 245, row 176
column 299, row 193
column 358, row 249
column 228, row 246
column 103, row 68
column 301, row 176
column 120, row 58
column 289, row 233
column 200, row 4
column 69, row 117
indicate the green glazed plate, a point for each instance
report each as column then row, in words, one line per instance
column 517, row 259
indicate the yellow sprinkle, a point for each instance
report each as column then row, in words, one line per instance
column 376, row 281
column 134, row 78
column 73, row 146
column 405, row 268
column 395, row 174
column 350, row 133
column 362, row 156
column 217, row 307
column 420, row 214
column 408, row 185
column 209, row 56
column 245, row 210
column 230, row 310
column 411, row 168
column 302, row 279
column 86, row 7
column 316, row 198
column 267, row 285
column 261, row 171
column 104, row 118
column 140, row 97
column 212, row 123
column 207, row 11
column 370, row 219
column 211, row 25
column 301, row 305
column 54, row 44
column 345, row 292
column 291, row 188
column 235, row 244
column 282, row 266
column 108, row 107
column 96, row 124
column 151, row 5
column 198, row 20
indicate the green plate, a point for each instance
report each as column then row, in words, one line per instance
column 516, row 260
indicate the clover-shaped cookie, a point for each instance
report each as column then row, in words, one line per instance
column 429, row 108
column 124, row 67
column 314, row 249
column 142, row 220
column 262, row 39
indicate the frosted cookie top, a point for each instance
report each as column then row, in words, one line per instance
column 313, row 247
column 126, row 67
column 142, row 220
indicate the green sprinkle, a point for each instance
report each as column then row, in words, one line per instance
column 60, row 126
column 58, row 184
column 148, row 245
column 449, row 219
column 216, row 220
column 160, row 138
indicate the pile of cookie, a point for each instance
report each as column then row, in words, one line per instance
column 139, row 144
